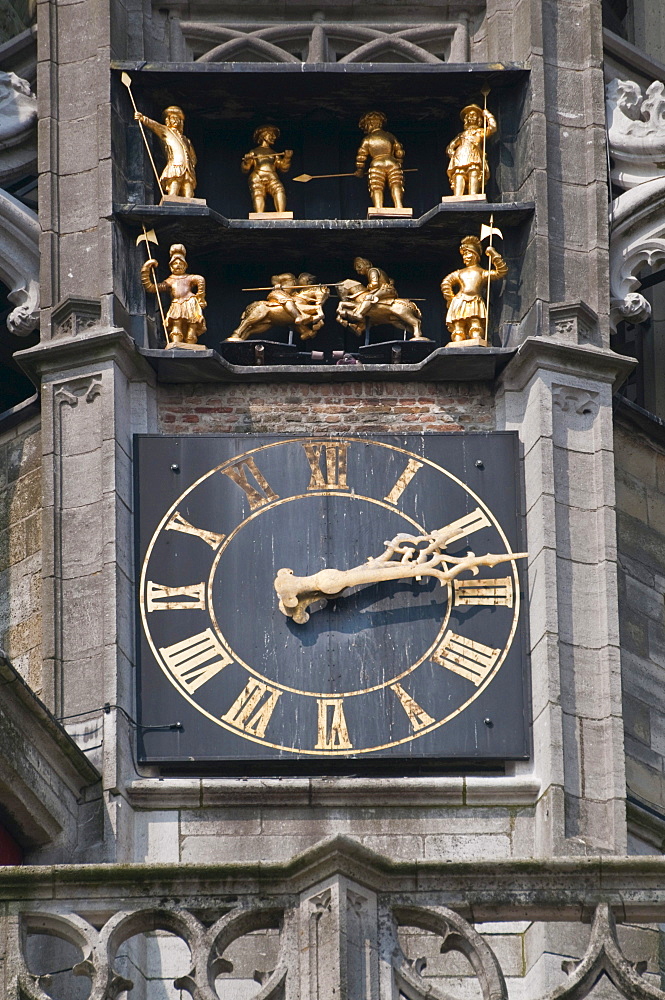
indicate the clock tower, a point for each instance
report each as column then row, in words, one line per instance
column 312, row 623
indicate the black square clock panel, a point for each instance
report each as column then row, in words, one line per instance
column 313, row 597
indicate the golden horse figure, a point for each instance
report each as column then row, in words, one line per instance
column 294, row 302
column 357, row 306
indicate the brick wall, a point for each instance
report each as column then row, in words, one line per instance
column 640, row 485
column 377, row 407
column 20, row 549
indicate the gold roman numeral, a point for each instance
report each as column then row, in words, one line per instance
column 333, row 474
column 468, row 524
column 484, row 591
column 251, row 710
column 332, row 730
column 412, row 467
column 195, row 660
column 418, row 717
column 257, row 498
column 469, row 659
column 156, row 597
column 178, row 523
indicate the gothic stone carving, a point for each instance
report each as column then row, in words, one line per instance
column 604, row 958
column 73, row 316
column 321, row 41
column 637, row 244
column 574, row 322
column 571, row 399
column 338, row 939
column 636, row 131
column 18, row 128
column 19, row 263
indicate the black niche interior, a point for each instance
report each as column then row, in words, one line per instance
column 317, row 110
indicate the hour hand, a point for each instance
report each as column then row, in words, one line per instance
column 405, row 557
column 297, row 593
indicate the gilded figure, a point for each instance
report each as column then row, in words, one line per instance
column 263, row 164
column 184, row 320
column 178, row 178
column 468, row 171
column 376, row 303
column 465, row 291
column 292, row 301
column 386, row 156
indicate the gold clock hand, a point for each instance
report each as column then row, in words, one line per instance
column 402, row 559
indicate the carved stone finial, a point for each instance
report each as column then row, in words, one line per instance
column 636, row 130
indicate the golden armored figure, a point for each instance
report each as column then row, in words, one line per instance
column 295, row 302
column 262, row 164
column 386, row 155
column 377, row 302
column 184, row 321
column 468, row 171
column 178, row 178
column 465, row 290
column 379, row 286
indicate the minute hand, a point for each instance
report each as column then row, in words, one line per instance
column 405, row 557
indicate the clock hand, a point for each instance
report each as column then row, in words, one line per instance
column 297, row 593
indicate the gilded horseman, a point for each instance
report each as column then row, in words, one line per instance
column 178, row 178
column 294, row 302
column 468, row 171
column 262, row 164
column 376, row 303
column 379, row 286
column 285, row 294
column 386, row 156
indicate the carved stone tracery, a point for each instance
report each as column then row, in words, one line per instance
column 326, row 41
column 333, row 957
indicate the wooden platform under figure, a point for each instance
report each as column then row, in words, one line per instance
column 178, row 199
column 270, row 216
column 389, row 213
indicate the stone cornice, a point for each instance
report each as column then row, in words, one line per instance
column 43, row 773
column 558, row 888
column 15, row 689
column 49, row 359
column 173, row 793
column 577, row 360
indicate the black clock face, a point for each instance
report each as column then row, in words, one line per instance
column 303, row 597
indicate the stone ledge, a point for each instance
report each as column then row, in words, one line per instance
column 188, row 793
column 576, row 360
column 43, row 774
column 64, row 355
column 507, row 889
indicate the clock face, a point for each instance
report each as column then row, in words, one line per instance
column 302, row 597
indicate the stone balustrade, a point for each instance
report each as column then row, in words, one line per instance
column 336, row 921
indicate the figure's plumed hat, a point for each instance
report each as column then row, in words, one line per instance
column 470, row 107
column 173, row 110
column 178, row 252
column 366, row 119
column 472, row 243
column 263, row 129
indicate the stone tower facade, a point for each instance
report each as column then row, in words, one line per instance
column 504, row 876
